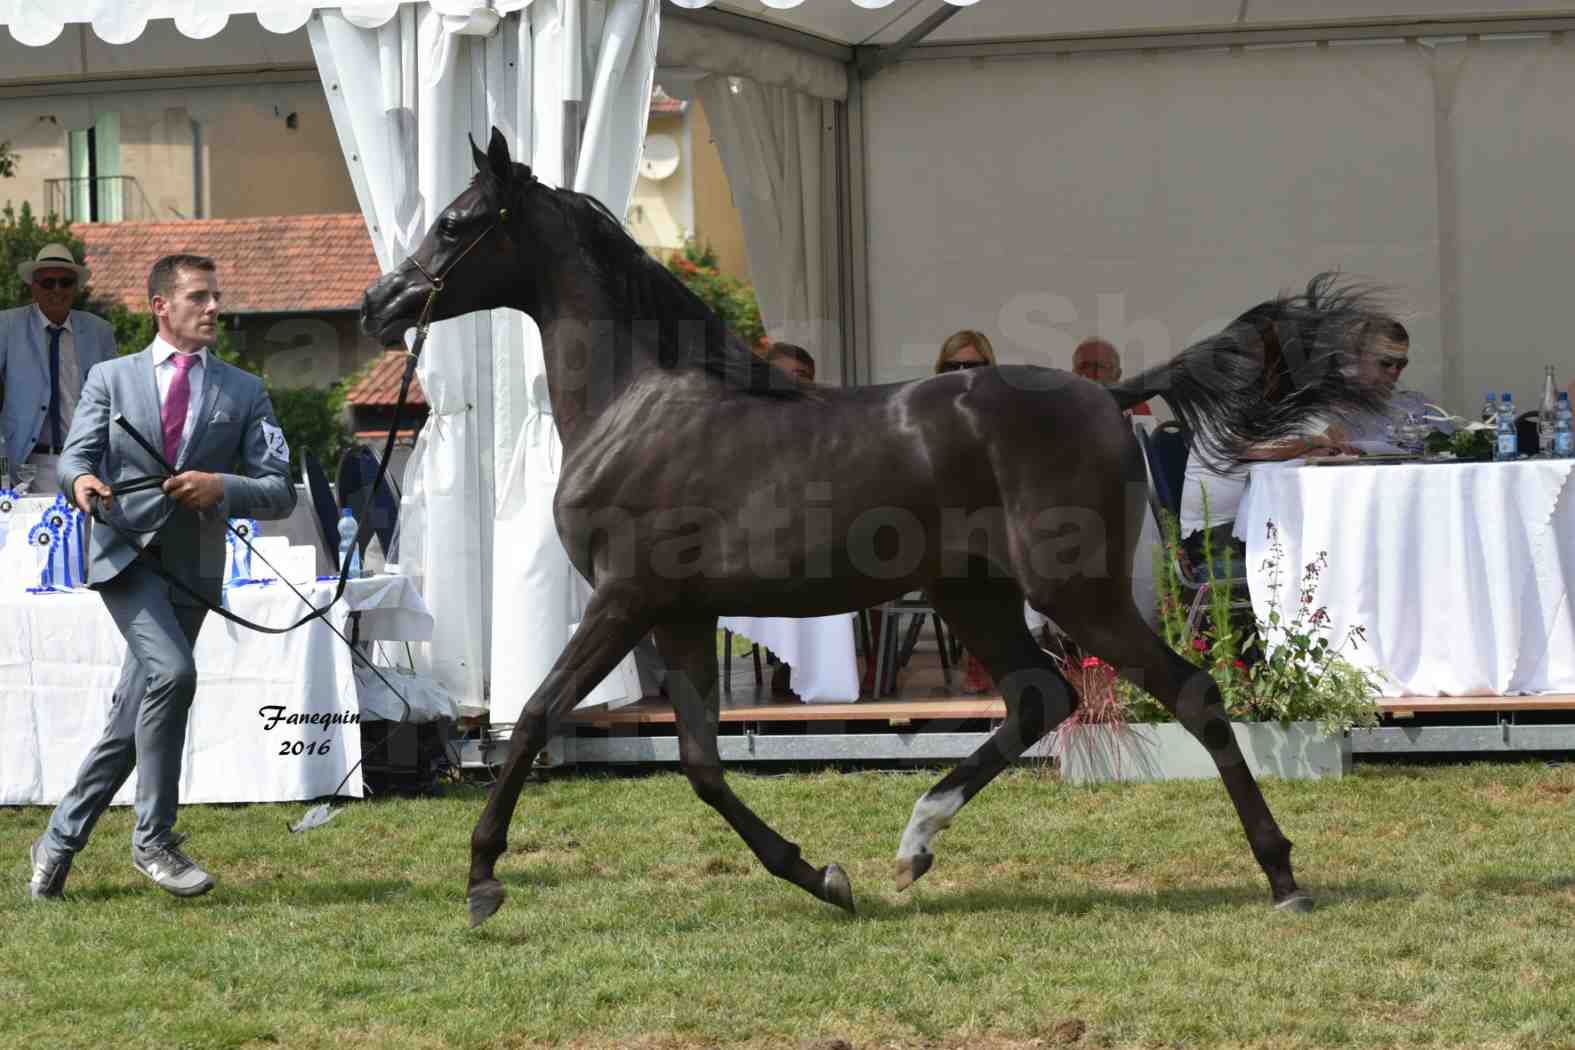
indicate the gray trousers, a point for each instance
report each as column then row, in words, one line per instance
column 147, row 722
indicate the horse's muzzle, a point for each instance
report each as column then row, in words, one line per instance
column 390, row 307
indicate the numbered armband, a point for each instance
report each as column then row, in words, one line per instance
column 275, row 447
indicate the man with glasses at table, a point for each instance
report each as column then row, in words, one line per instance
column 1379, row 368
column 46, row 350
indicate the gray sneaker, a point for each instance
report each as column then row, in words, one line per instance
column 48, row 881
column 172, row 869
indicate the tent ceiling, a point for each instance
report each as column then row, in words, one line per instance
column 997, row 20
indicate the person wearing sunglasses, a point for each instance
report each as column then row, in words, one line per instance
column 1380, row 366
column 46, row 349
column 964, row 350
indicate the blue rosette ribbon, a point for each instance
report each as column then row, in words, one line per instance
column 240, row 555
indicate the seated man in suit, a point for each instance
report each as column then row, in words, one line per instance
column 157, row 556
column 46, row 350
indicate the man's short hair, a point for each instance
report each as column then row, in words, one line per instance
column 797, row 353
column 1391, row 330
column 161, row 279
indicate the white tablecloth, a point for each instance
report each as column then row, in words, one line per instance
column 60, row 657
column 819, row 649
column 1460, row 572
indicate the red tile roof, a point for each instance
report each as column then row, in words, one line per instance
column 380, row 387
column 273, row 264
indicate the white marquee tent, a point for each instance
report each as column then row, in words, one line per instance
column 1038, row 170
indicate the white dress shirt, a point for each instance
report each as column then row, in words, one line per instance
column 164, row 373
column 70, row 371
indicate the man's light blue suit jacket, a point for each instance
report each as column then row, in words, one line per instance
column 24, row 371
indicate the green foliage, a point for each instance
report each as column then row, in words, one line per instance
column 312, row 418
column 1463, row 444
column 732, row 300
column 1299, row 675
column 7, row 160
column 21, row 237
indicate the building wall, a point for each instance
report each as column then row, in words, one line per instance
column 661, row 212
column 260, row 166
column 251, row 162
column 717, row 221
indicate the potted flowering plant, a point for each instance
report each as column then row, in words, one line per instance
column 1289, row 693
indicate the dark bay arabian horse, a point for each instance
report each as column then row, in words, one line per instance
column 698, row 481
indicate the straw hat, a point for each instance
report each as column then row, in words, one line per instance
column 53, row 257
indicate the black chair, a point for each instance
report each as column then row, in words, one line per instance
column 1526, row 435
column 357, row 470
column 1166, row 451
column 323, row 503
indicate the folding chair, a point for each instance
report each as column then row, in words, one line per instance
column 890, row 655
column 1165, row 452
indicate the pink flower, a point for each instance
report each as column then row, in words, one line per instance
column 1200, row 645
column 1240, row 666
column 1091, row 661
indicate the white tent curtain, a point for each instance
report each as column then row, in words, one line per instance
column 537, row 596
column 404, row 96
column 771, row 145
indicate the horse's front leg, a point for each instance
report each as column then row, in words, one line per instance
column 689, row 650
column 614, row 623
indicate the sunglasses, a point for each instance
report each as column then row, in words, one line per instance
column 962, row 366
column 49, row 284
column 1392, row 362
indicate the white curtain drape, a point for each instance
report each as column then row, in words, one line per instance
column 537, row 596
column 770, row 141
column 404, row 96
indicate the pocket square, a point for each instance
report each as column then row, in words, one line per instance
column 221, row 416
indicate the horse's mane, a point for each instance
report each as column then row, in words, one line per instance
column 689, row 333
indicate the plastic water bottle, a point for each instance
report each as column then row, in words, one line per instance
column 1490, row 408
column 1563, row 429
column 347, row 546
column 1508, row 445
column 1545, row 415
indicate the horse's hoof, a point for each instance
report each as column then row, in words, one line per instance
column 836, row 889
column 484, row 899
column 912, row 869
column 1300, row 903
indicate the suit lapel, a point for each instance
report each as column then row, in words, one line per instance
column 210, row 393
column 144, row 414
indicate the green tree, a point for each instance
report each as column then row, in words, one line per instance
column 21, row 237
column 7, row 160
column 731, row 299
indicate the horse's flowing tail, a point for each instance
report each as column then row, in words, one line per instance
column 1283, row 369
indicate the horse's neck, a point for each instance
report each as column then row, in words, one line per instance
column 592, row 355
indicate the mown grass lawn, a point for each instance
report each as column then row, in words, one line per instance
column 1126, row 916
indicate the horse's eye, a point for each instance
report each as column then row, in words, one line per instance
column 449, row 226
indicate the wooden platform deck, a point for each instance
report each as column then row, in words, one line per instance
column 924, row 695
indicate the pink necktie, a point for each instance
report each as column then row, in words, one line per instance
column 175, row 403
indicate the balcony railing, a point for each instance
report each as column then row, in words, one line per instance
column 107, row 198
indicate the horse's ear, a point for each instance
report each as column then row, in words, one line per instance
column 476, row 154
column 498, row 155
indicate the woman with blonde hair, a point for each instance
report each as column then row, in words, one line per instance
column 963, row 350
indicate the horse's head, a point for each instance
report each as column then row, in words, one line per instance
column 472, row 255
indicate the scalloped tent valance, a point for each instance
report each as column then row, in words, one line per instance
column 122, row 21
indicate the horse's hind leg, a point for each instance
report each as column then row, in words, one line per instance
column 990, row 624
column 1108, row 625
column 609, row 630
column 689, row 650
